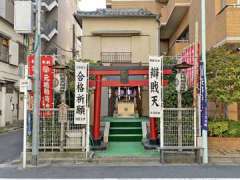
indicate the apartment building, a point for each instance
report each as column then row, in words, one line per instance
column 178, row 18
column 11, row 56
column 178, row 27
column 60, row 32
column 222, row 23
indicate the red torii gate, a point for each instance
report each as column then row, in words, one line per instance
column 98, row 83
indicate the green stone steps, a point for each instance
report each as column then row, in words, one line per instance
column 125, row 137
column 124, row 119
column 126, row 123
column 125, row 130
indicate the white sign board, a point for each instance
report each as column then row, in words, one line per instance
column 155, row 86
column 23, row 85
column 14, row 53
column 81, row 87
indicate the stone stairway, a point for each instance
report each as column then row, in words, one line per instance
column 125, row 130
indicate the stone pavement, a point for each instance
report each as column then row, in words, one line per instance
column 224, row 156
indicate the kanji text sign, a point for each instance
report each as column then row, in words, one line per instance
column 46, row 80
column 81, row 85
column 155, row 86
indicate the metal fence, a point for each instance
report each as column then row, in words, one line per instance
column 179, row 127
column 55, row 135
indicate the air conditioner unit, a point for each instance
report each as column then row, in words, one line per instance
column 23, row 16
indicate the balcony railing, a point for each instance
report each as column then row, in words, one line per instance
column 116, row 57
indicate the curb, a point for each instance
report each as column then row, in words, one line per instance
column 10, row 130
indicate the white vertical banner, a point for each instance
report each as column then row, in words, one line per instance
column 155, row 86
column 81, row 89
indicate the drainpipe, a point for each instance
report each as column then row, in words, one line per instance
column 159, row 34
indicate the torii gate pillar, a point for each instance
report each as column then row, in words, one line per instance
column 97, row 111
column 153, row 131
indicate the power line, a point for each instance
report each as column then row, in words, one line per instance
column 58, row 46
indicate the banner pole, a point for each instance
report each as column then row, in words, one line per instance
column 204, row 81
column 25, row 118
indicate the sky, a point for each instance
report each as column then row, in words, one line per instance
column 90, row 5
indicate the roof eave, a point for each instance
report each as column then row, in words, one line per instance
column 79, row 18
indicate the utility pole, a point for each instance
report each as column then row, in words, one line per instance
column 204, row 85
column 74, row 43
column 36, row 103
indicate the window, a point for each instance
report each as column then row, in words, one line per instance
column 184, row 37
column 22, row 56
column 4, row 49
column 238, row 3
column 9, row 88
column 109, row 6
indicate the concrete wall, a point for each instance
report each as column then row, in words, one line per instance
column 141, row 45
column 6, row 10
column 66, row 9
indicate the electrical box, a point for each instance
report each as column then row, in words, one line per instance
column 23, row 16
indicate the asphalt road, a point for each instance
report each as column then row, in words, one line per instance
column 10, row 146
column 123, row 172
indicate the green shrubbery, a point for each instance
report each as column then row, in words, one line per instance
column 224, row 128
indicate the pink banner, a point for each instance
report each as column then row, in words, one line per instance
column 188, row 56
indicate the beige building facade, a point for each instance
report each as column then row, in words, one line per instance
column 128, row 38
